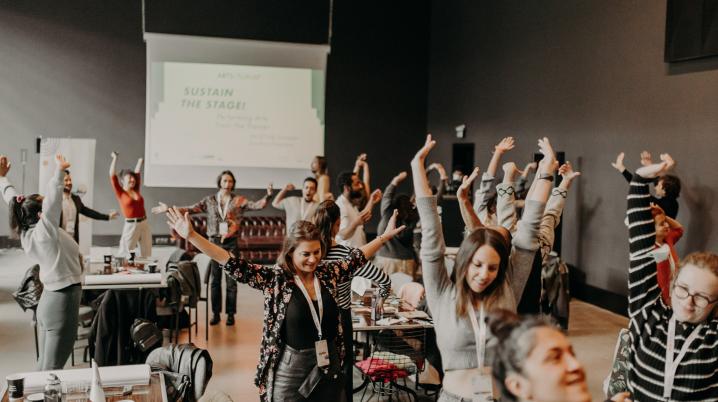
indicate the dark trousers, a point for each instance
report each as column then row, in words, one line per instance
column 348, row 367
column 296, row 378
column 216, row 283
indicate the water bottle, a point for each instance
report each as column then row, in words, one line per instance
column 53, row 389
column 376, row 307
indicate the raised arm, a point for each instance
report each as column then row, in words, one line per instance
column 436, row 278
column 554, row 209
column 525, row 241
column 524, row 178
column 347, row 226
column 138, row 166
column 443, row 179
column 362, row 165
column 343, row 269
column 643, row 286
column 323, row 188
column 471, row 220
column 113, row 164
column 52, row 204
column 255, row 275
column 258, row 204
column 6, row 188
column 506, row 215
column 618, row 165
column 505, row 145
column 388, row 194
column 277, row 202
column 391, row 230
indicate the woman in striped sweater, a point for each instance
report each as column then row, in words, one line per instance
column 327, row 218
column 673, row 349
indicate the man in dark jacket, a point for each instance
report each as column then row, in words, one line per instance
column 72, row 207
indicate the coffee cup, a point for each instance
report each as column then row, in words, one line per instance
column 107, row 259
column 15, row 386
column 152, row 268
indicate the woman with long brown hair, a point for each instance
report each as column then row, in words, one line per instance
column 302, row 345
column 327, row 218
column 489, row 273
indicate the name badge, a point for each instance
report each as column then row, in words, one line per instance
column 482, row 386
column 223, row 228
column 322, row 351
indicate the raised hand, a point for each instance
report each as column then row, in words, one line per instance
column 398, row 178
column 363, row 217
column 289, row 187
column 424, row 151
column 504, row 145
column 463, row 191
column 547, row 164
column 618, row 164
column 567, row 172
column 159, row 209
column 361, row 161
column 529, row 167
column 4, row 165
column 375, row 196
column 646, row 158
column 113, row 155
column 656, row 169
column 668, row 160
column 270, row 188
column 391, row 229
column 180, row 223
column 61, row 162
column 511, row 171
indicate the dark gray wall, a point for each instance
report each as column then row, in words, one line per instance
column 589, row 75
column 77, row 69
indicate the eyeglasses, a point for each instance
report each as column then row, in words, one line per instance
column 682, row 292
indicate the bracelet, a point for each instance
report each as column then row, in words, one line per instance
column 545, row 176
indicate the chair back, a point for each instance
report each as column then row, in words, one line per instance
column 411, row 293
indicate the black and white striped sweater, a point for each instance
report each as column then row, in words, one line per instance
column 697, row 375
column 368, row 271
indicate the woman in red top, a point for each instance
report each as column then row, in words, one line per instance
column 136, row 229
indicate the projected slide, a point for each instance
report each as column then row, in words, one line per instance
column 209, row 115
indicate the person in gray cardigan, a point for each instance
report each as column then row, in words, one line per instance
column 36, row 219
column 397, row 255
column 488, row 273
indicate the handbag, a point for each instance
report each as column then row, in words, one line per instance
column 30, row 290
column 145, row 334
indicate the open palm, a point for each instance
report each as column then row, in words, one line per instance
column 180, row 223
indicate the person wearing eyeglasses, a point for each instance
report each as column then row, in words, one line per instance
column 672, row 347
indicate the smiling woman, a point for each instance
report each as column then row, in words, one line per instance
column 672, row 347
column 302, row 345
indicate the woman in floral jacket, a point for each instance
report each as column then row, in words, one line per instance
column 288, row 369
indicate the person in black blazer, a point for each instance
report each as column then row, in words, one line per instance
column 72, row 202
